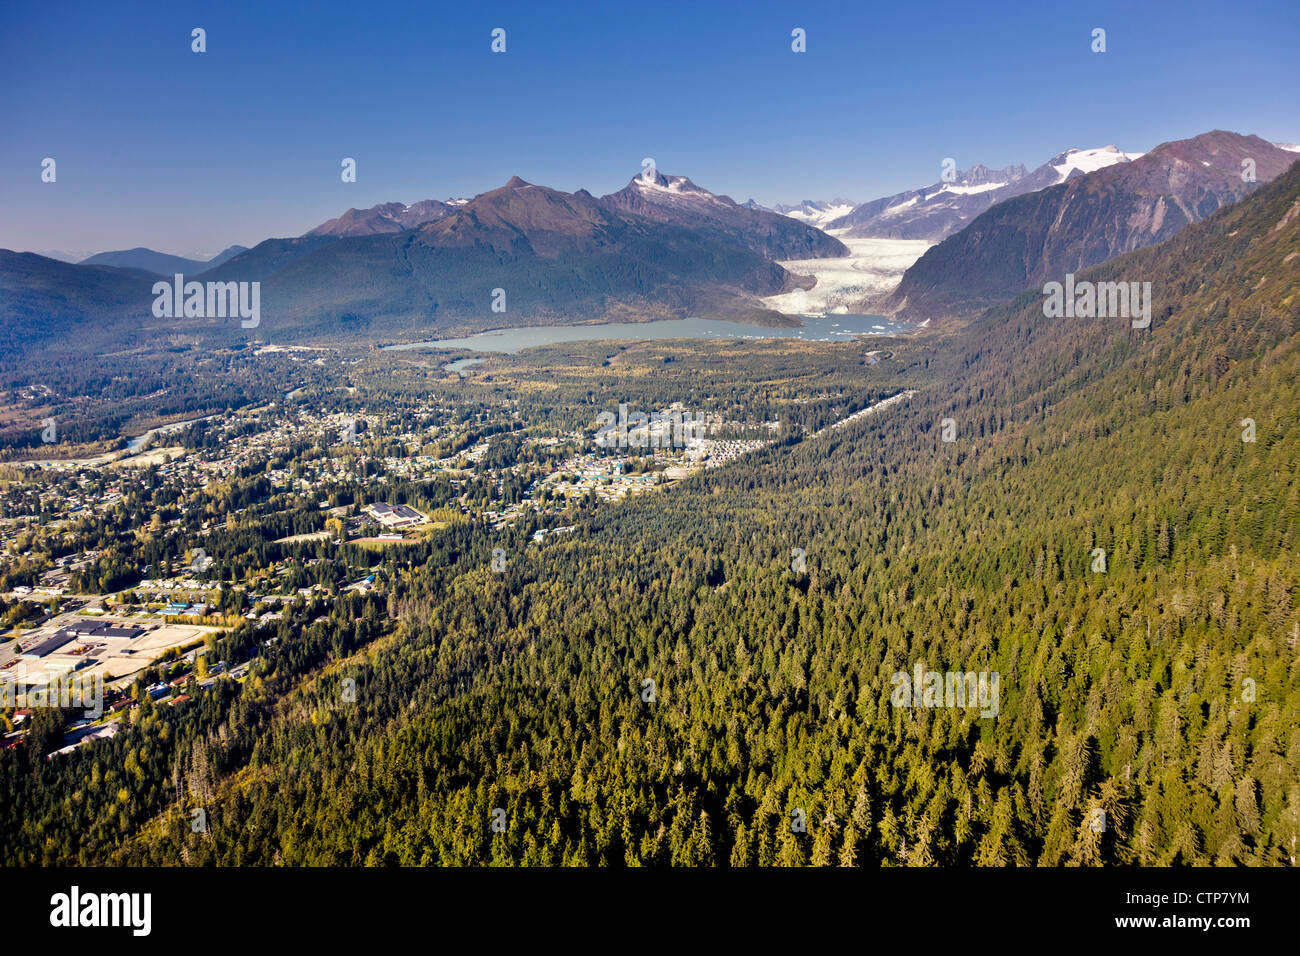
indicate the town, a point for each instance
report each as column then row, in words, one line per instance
column 123, row 569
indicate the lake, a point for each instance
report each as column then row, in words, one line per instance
column 830, row 328
column 459, row 364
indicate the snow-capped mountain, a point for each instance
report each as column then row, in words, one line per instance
column 939, row 210
column 1087, row 217
column 677, row 200
column 819, row 214
column 1289, row 147
column 1077, row 162
column 933, row 212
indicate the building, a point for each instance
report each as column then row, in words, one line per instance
column 394, row 516
column 48, row 644
column 97, row 629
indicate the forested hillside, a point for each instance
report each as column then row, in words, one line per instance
column 1161, row 690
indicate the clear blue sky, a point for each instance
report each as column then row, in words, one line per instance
column 188, row 153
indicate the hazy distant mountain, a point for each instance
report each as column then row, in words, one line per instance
column 159, row 262
column 61, row 255
column 224, row 255
column 387, row 217
column 1087, row 219
column 677, row 200
column 939, row 210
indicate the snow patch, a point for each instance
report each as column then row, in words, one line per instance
column 969, row 190
column 678, row 187
column 1091, row 160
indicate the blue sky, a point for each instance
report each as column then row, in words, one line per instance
column 188, row 153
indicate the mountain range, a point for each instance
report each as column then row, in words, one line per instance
column 387, row 217
column 677, row 200
column 660, row 247
column 559, row 257
column 668, row 199
column 818, row 213
column 1089, row 218
column 937, row 211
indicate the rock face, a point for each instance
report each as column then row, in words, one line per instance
column 1027, row 240
column 677, row 200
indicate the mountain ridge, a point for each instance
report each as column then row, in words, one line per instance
column 677, row 200
column 936, row 211
column 159, row 263
column 1040, row 236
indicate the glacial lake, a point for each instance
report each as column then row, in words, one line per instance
column 830, row 328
